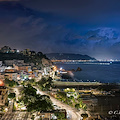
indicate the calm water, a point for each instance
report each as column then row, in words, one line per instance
column 95, row 72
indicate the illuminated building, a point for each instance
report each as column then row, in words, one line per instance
column 3, row 94
column 11, row 62
column 11, row 75
column 1, row 76
column 24, row 68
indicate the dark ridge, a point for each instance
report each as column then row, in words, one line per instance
column 68, row 56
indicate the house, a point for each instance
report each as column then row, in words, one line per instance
column 2, row 68
column 2, row 76
column 10, row 75
column 3, row 94
column 10, row 70
column 31, row 76
column 24, row 68
column 49, row 114
column 11, row 62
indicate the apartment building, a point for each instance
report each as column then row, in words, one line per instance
column 3, row 94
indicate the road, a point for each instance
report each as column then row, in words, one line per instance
column 16, row 91
column 74, row 114
column 16, row 116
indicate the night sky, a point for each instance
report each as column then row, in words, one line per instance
column 89, row 27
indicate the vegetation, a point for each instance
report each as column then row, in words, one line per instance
column 41, row 103
column 29, row 90
column 33, row 58
column 32, row 81
column 60, row 116
column 11, row 83
column 62, row 96
column 84, row 116
column 70, row 97
column 36, row 102
column 77, row 106
column 14, row 107
column 12, row 95
column 45, row 83
column 69, row 90
column 81, row 105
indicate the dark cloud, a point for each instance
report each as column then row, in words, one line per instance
column 8, row 0
column 87, row 27
column 92, row 12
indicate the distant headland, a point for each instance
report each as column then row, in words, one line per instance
column 68, row 56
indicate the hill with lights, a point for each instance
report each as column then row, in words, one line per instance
column 68, row 56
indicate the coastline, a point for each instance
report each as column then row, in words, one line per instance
column 93, row 73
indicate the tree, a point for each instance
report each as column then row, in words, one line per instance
column 69, row 90
column 60, row 115
column 62, row 94
column 41, row 103
column 10, row 83
column 40, row 54
column 77, row 106
column 28, row 94
column 45, row 84
column 32, row 80
column 82, row 105
column 29, row 90
column 12, row 95
column 42, row 83
column 49, row 83
column 36, row 102
column 84, row 116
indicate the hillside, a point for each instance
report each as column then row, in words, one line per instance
column 27, row 58
column 68, row 56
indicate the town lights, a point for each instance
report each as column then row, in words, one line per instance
column 18, row 51
column 61, row 68
column 54, row 68
column 6, row 109
column 18, row 78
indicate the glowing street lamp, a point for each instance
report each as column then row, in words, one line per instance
column 61, row 68
column 1, row 83
column 6, row 109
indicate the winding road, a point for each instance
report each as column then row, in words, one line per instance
column 73, row 113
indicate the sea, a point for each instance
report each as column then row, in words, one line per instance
column 104, row 73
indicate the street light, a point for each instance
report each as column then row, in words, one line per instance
column 61, row 68
column 6, row 109
column 81, row 118
column 1, row 83
column 88, row 80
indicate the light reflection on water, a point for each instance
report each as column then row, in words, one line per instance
column 95, row 72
